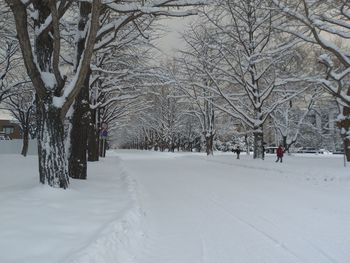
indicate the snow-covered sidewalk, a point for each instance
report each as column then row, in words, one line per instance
column 223, row 210
column 93, row 221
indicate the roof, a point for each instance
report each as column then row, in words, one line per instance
column 6, row 115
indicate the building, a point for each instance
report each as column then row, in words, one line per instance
column 9, row 128
column 318, row 128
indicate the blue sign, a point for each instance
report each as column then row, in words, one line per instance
column 104, row 133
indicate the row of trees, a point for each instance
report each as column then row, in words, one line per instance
column 253, row 60
column 87, row 63
column 59, row 43
column 171, row 123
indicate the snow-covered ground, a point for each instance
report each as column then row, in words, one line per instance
column 223, row 210
column 96, row 220
column 183, row 208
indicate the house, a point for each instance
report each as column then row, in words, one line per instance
column 9, row 128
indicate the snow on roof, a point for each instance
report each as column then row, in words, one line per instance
column 6, row 115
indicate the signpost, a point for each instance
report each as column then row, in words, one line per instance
column 103, row 138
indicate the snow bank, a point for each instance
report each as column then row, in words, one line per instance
column 119, row 240
column 15, row 147
column 97, row 220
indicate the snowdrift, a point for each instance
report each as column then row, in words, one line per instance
column 97, row 220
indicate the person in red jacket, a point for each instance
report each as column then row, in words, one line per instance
column 280, row 152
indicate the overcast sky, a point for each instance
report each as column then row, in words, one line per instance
column 171, row 39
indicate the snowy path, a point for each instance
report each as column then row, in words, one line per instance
column 220, row 210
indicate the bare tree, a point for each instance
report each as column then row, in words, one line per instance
column 247, row 73
column 195, row 83
column 22, row 106
column 324, row 23
column 8, row 57
column 289, row 118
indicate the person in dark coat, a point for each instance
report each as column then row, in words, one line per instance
column 238, row 151
column 279, row 152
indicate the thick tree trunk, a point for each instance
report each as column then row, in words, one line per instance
column 258, row 145
column 209, row 138
column 93, row 139
column 53, row 168
column 42, row 67
column 25, row 145
column 81, row 114
column 79, row 134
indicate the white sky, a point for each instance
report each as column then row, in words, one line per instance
column 171, row 39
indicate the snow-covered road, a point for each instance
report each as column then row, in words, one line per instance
column 219, row 209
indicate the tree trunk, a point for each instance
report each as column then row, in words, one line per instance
column 25, row 142
column 246, row 140
column 79, row 133
column 209, row 144
column 344, row 125
column 93, row 139
column 347, row 149
column 53, row 168
column 285, row 144
column 81, row 114
column 103, row 147
column 258, row 145
column 171, row 146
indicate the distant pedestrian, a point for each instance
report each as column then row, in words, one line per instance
column 280, row 152
column 238, row 151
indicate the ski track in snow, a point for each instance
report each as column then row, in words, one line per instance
column 150, row 207
column 261, row 231
column 189, row 220
column 216, row 205
column 270, row 237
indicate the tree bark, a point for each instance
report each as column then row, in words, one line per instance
column 347, row 149
column 103, row 147
column 25, row 145
column 258, row 145
column 285, row 144
column 79, row 134
column 344, row 125
column 93, row 140
column 209, row 138
column 81, row 113
column 246, row 140
column 53, row 168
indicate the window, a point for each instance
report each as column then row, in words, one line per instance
column 8, row 129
